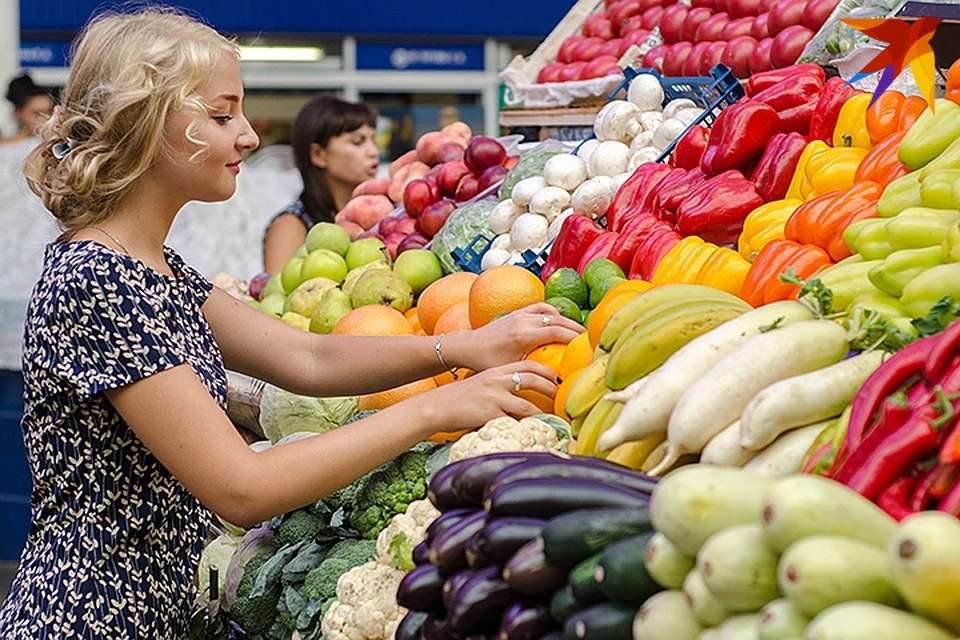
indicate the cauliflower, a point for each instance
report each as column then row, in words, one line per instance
column 507, row 434
column 395, row 543
column 366, row 606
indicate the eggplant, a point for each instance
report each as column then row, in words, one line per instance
column 470, row 481
column 409, row 628
column 549, row 497
column 448, row 550
column 421, row 589
column 553, row 635
column 526, row 621
column 435, row 628
column 530, row 573
column 475, row 558
column 421, row 553
column 446, row 520
column 484, row 597
column 440, row 492
column 584, row 468
column 501, row 538
column 453, row 585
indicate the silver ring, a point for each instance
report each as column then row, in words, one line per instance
column 546, row 321
column 517, row 382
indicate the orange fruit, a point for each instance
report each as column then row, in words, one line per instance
column 383, row 399
column 412, row 317
column 373, row 320
column 549, row 354
column 563, row 391
column 441, row 295
column 455, row 318
column 601, row 314
column 544, row 403
column 446, row 377
column 502, row 290
column 442, row 437
column 630, row 286
column 577, row 355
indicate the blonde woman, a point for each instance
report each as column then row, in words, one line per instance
column 125, row 348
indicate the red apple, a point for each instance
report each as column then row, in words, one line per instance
column 483, row 152
column 785, row 13
column 760, row 57
column 563, row 55
column 469, row 186
column 622, row 11
column 711, row 57
column 761, row 25
column 434, row 217
column 743, row 8
column 433, row 174
column 695, row 17
column 654, row 58
column 587, row 50
column 611, row 48
column 257, row 283
column 406, row 225
column 388, row 225
column 712, row 28
column 492, row 175
column 673, row 61
column 671, row 22
column 691, row 66
column 369, row 233
column 418, row 194
column 816, row 12
column 392, row 243
column 414, row 240
column 571, row 71
column 600, row 66
column 788, row 45
column 738, row 27
column 450, row 176
column 450, row 151
column 737, row 55
column 510, row 162
column 651, row 17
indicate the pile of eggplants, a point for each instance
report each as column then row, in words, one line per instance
column 484, row 570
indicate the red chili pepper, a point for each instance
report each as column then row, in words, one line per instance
column 668, row 199
column 765, row 79
column 945, row 347
column 778, row 164
column 946, row 477
column 715, row 211
column 626, row 203
column 835, row 93
column 576, row 234
column 599, row 248
column 894, row 498
column 648, row 256
column 795, row 100
column 921, row 495
column 690, row 147
column 739, row 135
column 951, row 501
column 950, row 449
column 633, row 235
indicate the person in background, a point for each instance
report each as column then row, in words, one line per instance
column 32, row 106
column 333, row 145
column 126, row 349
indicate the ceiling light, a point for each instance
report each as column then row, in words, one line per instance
column 281, row 54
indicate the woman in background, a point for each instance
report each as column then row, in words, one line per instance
column 32, row 106
column 333, row 144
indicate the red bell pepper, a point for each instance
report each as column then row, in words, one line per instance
column 632, row 236
column 649, row 254
column 599, row 248
column 794, row 99
column 835, row 93
column 896, row 498
column 576, row 234
column 715, row 211
column 739, row 135
column 766, row 79
column 669, row 198
column 690, row 147
column 626, row 202
column 778, row 164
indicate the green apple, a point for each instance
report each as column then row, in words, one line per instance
column 290, row 275
column 301, row 252
column 274, row 285
column 365, row 251
column 296, row 320
column 273, row 305
column 323, row 263
column 419, row 268
column 326, row 235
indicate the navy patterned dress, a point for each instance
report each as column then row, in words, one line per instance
column 115, row 539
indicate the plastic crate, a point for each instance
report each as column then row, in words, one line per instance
column 469, row 258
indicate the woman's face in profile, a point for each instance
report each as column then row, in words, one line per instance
column 351, row 157
column 34, row 113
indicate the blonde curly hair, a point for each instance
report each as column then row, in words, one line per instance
column 130, row 73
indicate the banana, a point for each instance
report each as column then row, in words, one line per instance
column 673, row 308
column 648, row 348
column 625, row 315
column 588, row 388
column 600, row 418
column 632, row 454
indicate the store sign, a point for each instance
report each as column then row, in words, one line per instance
column 379, row 56
column 43, row 54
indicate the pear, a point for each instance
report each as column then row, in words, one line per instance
column 296, row 320
column 382, row 287
column 306, row 297
column 334, row 305
column 351, row 280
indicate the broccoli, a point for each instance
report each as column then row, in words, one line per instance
column 297, row 526
column 354, row 551
column 388, row 490
column 321, row 583
column 255, row 614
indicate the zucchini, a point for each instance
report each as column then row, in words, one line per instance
column 530, row 573
column 563, row 605
column 501, row 538
column 440, row 489
column 471, row 480
column 871, row 621
column 583, row 582
column 549, row 497
column 665, row 564
column 621, row 572
column 585, row 468
column 409, row 628
column 483, row 597
column 706, row 608
column 448, row 550
column 605, row 621
column 446, row 520
column 781, row 620
column 574, row 537
column 526, row 621
column 666, row 616
column 739, row 569
column 421, row 589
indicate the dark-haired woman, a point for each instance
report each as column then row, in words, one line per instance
column 333, row 144
column 32, row 106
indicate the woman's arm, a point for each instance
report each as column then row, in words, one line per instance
column 196, row 442
column 284, row 236
column 263, row 347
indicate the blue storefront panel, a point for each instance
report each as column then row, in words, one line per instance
column 14, row 474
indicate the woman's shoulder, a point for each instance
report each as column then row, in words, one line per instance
column 296, row 209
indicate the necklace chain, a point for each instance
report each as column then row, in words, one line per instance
column 111, row 236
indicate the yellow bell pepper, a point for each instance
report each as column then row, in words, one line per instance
column 831, row 170
column 812, row 149
column 765, row 223
column 682, row 263
column 852, row 123
column 725, row 269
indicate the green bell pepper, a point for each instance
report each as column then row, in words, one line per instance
column 870, row 239
column 918, row 227
column 949, row 159
column 902, row 193
column 847, row 280
column 900, row 267
column 941, row 189
column 930, row 135
column 928, row 288
column 950, row 249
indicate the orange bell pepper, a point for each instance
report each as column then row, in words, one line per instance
column 953, row 83
column 891, row 113
column 683, row 262
column 725, row 269
column 765, row 223
column 762, row 284
column 881, row 164
column 821, row 220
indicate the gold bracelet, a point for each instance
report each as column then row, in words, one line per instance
column 439, row 349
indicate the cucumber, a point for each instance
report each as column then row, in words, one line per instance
column 621, row 573
column 739, row 627
column 925, row 563
column 805, row 505
column 706, row 608
column 781, row 620
column 821, row 571
column 871, row 621
column 666, row 616
column 665, row 564
column 563, row 605
column 549, row 497
column 739, row 568
column 574, row 537
column 606, row 621
column 583, row 582
column 696, row 501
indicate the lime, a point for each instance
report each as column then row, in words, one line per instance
column 567, row 283
column 597, row 292
column 567, row 307
column 600, row 270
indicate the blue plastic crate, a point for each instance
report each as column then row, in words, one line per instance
column 469, row 259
